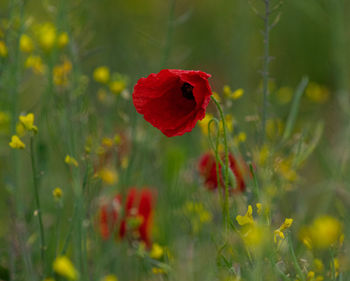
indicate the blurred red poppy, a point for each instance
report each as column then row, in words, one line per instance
column 109, row 214
column 173, row 100
column 207, row 169
column 137, row 219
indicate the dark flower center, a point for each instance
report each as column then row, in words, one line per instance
column 187, row 91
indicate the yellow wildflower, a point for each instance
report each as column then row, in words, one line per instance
column 317, row 93
column 259, row 207
column 255, row 236
column 262, row 155
column 124, row 162
column 284, row 95
column 101, row 74
column 71, row 161
column 241, row 137
column 157, row 270
column 26, row 44
column 62, row 40
column 274, row 128
column 28, row 122
column 237, row 94
column 107, row 142
column 247, row 218
column 203, row 124
column 35, row 63
column 197, row 215
column 108, row 176
column 47, row 36
column 336, row 266
column 117, row 139
column 110, row 277
column 3, row 49
column 285, row 168
column 16, row 143
column 325, row 231
column 229, row 122
column 279, row 232
column 156, row 252
column 318, row 265
column 117, row 87
column 216, row 96
column 57, row 193
column 232, row 95
column 310, row 275
column 61, row 72
column 227, row 90
column 64, row 267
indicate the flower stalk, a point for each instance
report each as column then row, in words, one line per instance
column 37, row 201
column 266, row 64
column 226, row 166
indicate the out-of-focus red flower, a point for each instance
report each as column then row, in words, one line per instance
column 137, row 218
column 207, row 169
column 173, row 100
column 109, row 214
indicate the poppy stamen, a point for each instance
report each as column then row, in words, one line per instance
column 187, row 91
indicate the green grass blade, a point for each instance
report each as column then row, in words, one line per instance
column 295, row 107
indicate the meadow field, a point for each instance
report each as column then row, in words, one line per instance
column 174, row 140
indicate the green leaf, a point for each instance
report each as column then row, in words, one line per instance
column 295, row 108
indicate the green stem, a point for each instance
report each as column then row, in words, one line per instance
column 218, row 161
column 256, row 184
column 295, row 261
column 37, row 202
column 226, row 208
column 266, row 64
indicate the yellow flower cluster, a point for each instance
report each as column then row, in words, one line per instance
column 61, row 73
column 3, row 49
column 64, row 267
column 107, row 175
column 324, row 232
column 35, row 63
column 57, row 193
column 247, row 218
column 279, row 232
column 48, row 37
column 203, row 124
column 26, row 124
column 197, row 215
column 71, row 161
column 115, row 82
column 317, row 93
column 26, row 44
column 284, row 95
column 156, row 252
column 232, row 94
column 16, row 143
column 254, row 234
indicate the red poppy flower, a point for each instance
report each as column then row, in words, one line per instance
column 207, row 169
column 173, row 100
column 109, row 215
column 137, row 219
